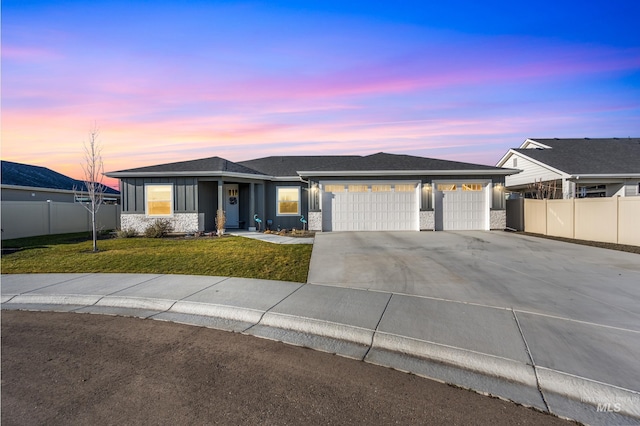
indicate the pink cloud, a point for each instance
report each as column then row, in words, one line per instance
column 32, row 54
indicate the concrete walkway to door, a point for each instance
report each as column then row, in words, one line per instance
column 498, row 304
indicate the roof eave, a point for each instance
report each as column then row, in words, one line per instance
column 535, row 142
column 498, row 171
column 125, row 174
column 542, row 164
column 605, row 176
column 505, row 158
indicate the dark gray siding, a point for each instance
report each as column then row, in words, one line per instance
column 185, row 191
column 285, row 222
column 208, row 203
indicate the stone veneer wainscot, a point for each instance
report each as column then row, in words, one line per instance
column 182, row 222
column 315, row 221
column 498, row 219
column 427, row 220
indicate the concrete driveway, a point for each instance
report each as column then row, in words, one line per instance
column 570, row 311
column 497, row 269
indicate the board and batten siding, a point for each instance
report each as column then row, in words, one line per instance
column 185, row 194
column 270, row 198
column 531, row 172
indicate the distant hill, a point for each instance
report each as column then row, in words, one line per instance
column 41, row 177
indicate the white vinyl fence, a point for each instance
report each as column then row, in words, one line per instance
column 610, row 220
column 31, row 218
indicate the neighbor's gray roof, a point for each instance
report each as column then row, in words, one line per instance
column 203, row 165
column 589, row 156
column 290, row 165
column 19, row 174
column 390, row 162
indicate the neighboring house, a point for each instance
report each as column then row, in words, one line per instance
column 334, row 193
column 23, row 182
column 578, row 168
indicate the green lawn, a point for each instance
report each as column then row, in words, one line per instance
column 227, row 256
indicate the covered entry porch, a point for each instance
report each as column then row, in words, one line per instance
column 240, row 200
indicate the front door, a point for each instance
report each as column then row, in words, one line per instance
column 231, row 205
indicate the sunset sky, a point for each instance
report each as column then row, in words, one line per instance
column 170, row 81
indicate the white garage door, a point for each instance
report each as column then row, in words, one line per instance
column 461, row 206
column 370, row 207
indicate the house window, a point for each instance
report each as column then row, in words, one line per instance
column 515, row 162
column 334, row 188
column 159, row 200
column 288, row 201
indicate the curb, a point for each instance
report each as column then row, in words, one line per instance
column 336, row 337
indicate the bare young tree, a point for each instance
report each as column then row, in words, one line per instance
column 93, row 168
column 543, row 190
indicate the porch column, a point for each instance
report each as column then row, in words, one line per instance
column 220, row 197
column 252, row 205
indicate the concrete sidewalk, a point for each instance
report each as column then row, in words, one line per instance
column 471, row 345
column 270, row 238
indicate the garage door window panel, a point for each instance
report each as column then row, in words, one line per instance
column 334, row 188
column 447, row 187
column 472, row 187
column 288, row 201
column 405, row 188
column 380, row 188
column 358, row 188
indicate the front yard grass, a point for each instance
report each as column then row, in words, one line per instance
column 227, row 256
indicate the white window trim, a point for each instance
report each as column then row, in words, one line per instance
column 278, row 201
column 146, row 205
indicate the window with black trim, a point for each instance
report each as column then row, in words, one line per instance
column 159, row 200
column 288, row 200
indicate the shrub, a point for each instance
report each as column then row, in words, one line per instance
column 158, row 229
column 126, row 233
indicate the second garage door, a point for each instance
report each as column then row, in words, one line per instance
column 461, row 206
column 370, row 207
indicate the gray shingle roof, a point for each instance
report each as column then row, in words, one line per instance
column 19, row 174
column 390, row 162
column 589, row 156
column 211, row 164
column 289, row 165
column 283, row 166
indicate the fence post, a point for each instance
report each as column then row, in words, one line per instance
column 546, row 217
column 618, row 219
column 573, row 213
column 49, row 217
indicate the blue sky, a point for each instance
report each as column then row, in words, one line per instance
column 168, row 81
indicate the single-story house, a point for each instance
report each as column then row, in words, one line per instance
column 332, row 193
column 24, row 182
column 577, row 168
